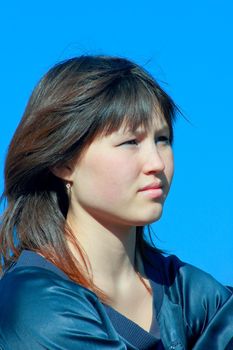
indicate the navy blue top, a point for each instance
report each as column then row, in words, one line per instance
column 41, row 308
column 125, row 327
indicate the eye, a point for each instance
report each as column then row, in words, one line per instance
column 130, row 142
column 163, row 139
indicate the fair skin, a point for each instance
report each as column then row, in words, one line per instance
column 108, row 200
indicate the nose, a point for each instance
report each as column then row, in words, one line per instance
column 154, row 162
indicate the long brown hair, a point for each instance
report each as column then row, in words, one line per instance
column 76, row 100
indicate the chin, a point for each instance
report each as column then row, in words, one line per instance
column 154, row 214
column 149, row 219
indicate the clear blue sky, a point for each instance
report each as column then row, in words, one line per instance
column 187, row 45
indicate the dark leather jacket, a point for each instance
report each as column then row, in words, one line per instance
column 40, row 308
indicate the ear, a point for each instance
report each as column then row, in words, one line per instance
column 64, row 172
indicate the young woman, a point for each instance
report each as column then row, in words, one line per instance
column 89, row 166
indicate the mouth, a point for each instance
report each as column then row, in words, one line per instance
column 154, row 190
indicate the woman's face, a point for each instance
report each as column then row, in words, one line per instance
column 124, row 178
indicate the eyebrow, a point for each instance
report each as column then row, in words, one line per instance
column 141, row 131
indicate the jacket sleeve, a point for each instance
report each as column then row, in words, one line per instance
column 218, row 334
column 48, row 312
column 207, row 309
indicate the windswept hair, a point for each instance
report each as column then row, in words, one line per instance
column 74, row 102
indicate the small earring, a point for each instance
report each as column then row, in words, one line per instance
column 68, row 188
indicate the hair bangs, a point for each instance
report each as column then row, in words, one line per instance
column 132, row 103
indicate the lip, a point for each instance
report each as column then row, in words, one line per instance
column 152, row 186
column 153, row 190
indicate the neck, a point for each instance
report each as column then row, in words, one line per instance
column 110, row 250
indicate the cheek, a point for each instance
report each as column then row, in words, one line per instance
column 169, row 170
column 106, row 177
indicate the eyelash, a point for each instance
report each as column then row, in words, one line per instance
column 131, row 142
